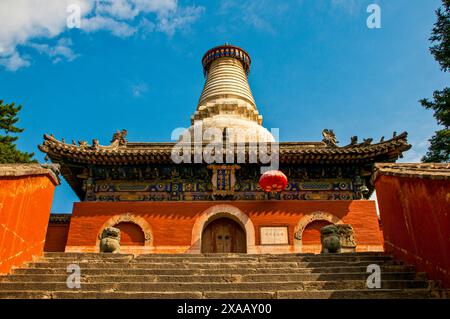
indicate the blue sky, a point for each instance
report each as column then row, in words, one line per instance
column 315, row 65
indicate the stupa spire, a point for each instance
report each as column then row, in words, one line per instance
column 226, row 68
column 226, row 100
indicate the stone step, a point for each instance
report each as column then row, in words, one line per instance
column 441, row 293
column 94, row 257
column 201, row 265
column 283, row 294
column 248, row 286
column 30, row 294
column 212, row 255
column 85, row 255
column 212, row 271
column 213, row 278
column 325, row 294
column 318, row 258
column 214, row 260
column 220, row 259
column 354, row 294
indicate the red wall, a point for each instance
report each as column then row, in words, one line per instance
column 172, row 222
column 311, row 235
column 56, row 238
column 130, row 234
column 415, row 214
column 25, row 203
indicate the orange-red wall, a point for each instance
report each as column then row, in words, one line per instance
column 415, row 214
column 172, row 222
column 56, row 238
column 130, row 234
column 25, row 203
column 311, row 235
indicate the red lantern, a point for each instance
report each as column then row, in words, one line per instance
column 273, row 181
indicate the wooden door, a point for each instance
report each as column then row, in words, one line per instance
column 223, row 235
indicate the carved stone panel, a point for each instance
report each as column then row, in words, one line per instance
column 347, row 238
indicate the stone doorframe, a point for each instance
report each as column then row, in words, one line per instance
column 128, row 218
column 306, row 220
column 219, row 211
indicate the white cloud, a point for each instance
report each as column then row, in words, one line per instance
column 146, row 26
column 117, row 28
column 61, row 50
column 256, row 14
column 120, row 9
column 39, row 23
column 137, row 90
column 158, row 6
column 23, row 20
column 13, row 62
column 415, row 154
column 182, row 18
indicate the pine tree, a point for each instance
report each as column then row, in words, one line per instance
column 8, row 151
column 439, row 150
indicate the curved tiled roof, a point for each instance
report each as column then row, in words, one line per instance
column 30, row 169
column 289, row 152
column 414, row 170
column 73, row 159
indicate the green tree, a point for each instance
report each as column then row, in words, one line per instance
column 439, row 150
column 8, row 151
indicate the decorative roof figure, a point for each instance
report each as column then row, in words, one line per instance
column 119, row 137
column 329, row 138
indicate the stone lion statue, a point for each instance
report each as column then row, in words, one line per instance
column 331, row 242
column 110, row 240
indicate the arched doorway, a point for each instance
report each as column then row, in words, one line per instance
column 309, row 226
column 130, row 234
column 223, row 235
column 311, row 234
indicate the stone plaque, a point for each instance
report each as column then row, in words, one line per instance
column 274, row 235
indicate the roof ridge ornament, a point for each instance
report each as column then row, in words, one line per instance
column 329, row 138
column 119, row 137
column 83, row 144
column 367, row 141
column 353, row 141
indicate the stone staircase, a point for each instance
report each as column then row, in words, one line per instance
column 216, row 276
